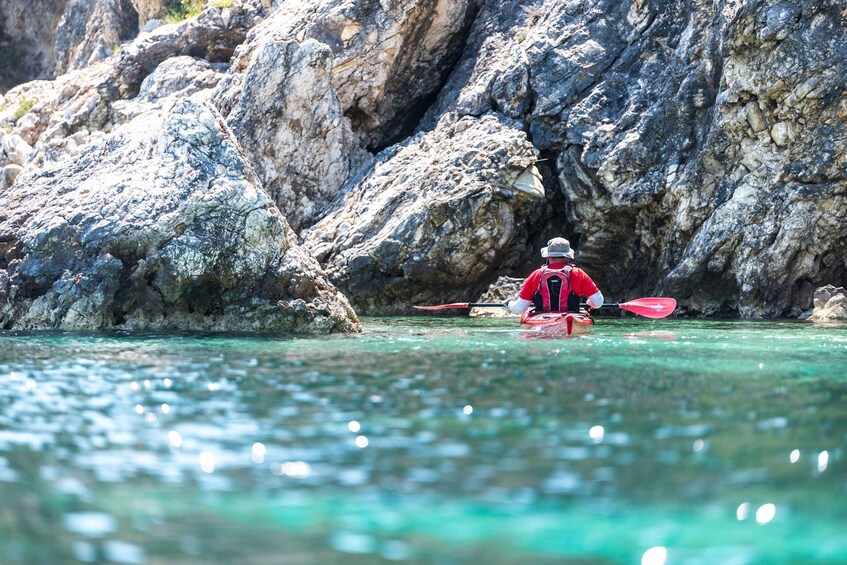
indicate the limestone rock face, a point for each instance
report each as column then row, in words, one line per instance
column 387, row 56
column 67, row 113
column 45, row 38
column 336, row 78
column 27, row 40
column 290, row 122
column 429, row 220
column 176, row 77
column 161, row 224
column 698, row 146
column 759, row 218
column 91, row 30
column 830, row 303
column 147, row 10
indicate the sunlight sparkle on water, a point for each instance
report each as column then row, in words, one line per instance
column 795, row 456
column 174, row 438
column 165, row 409
column 296, row 469
column 361, row 442
column 596, row 433
column 743, row 511
column 139, row 409
column 765, row 513
column 258, row 452
column 655, row 556
column 468, row 410
column 823, row 461
column 354, row 426
column 207, row 462
column 698, row 445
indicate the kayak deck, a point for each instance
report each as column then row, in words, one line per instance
column 558, row 323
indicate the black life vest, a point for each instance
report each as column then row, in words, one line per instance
column 554, row 292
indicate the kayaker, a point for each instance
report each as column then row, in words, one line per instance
column 558, row 285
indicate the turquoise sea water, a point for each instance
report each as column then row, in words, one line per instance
column 434, row 440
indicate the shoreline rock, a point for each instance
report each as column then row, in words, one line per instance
column 159, row 225
column 830, row 304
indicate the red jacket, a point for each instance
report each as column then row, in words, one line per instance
column 578, row 282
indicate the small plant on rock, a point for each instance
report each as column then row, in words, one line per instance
column 176, row 11
column 24, row 106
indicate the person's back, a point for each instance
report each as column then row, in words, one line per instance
column 558, row 285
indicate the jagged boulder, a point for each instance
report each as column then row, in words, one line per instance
column 429, row 220
column 183, row 238
column 830, row 303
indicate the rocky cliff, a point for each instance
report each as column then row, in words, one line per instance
column 423, row 148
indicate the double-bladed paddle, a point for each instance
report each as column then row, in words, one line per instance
column 651, row 307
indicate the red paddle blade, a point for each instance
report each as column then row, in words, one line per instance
column 650, row 307
column 444, row 306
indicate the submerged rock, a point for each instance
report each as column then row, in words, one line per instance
column 429, row 220
column 161, row 224
column 830, row 303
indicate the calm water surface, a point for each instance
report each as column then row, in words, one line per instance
column 428, row 440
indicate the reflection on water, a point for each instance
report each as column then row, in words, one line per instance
column 427, row 440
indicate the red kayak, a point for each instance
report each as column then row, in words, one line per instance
column 558, row 323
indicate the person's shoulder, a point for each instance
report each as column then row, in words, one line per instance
column 579, row 272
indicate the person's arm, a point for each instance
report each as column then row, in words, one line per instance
column 518, row 305
column 595, row 300
column 524, row 299
column 585, row 287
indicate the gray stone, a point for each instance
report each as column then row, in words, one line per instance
column 830, row 304
column 501, row 290
column 184, row 237
column 646, row 109
column 98, row 97
column 30, row 28
column 10, row 173
column 782, row 133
